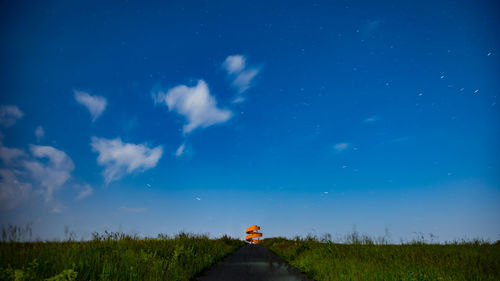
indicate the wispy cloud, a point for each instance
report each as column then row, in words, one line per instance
column 8, row 155
column 180, row 150
column 372, row 119
column 57, row 208
column 369, row 27
column 39, row 133
column 9, row 115
column 238, row 99
column 195, row 104
column 121, row 158
column 85, row 191
column 401, row 139
column 339, row 147
column 12, row 190
column 95, row 104
column 242, row 76
column 131, row 210
column 244, row 80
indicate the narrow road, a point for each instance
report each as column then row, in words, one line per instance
column 253, row 262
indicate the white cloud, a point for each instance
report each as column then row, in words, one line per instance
column 180, row 150
column 341, row 146
column 243, row 81
column 51, row 174
column 95, row 104
column 372, row 119
column 86, row 191
column 121, row 158
column 195, row 103
column 242, row 76
column 12, row 191
column 234, row 64
column 46, row 168
column 39, row 133
column 9, row 115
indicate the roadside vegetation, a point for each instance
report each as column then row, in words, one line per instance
column 111, row 256
column 360, row 257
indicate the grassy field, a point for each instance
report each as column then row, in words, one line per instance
column 117, row 256
column 366, row 260
column 114, row 256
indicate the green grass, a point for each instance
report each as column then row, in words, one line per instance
column 114, row 256
column 366, row 260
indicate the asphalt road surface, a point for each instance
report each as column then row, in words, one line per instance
column 253, row 262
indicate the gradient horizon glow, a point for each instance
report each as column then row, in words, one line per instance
column 207, row 117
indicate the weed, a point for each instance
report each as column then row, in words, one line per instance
column 112, row 256
column 363, row 258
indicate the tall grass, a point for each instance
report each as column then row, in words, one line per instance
column 113, row 256
column 363, row 258
column 15, row 233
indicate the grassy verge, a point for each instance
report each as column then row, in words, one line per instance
column 324, row 260
column 114, row 256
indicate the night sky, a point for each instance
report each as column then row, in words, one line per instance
column 203, row 116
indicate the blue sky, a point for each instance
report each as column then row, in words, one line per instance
column 301, row 117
